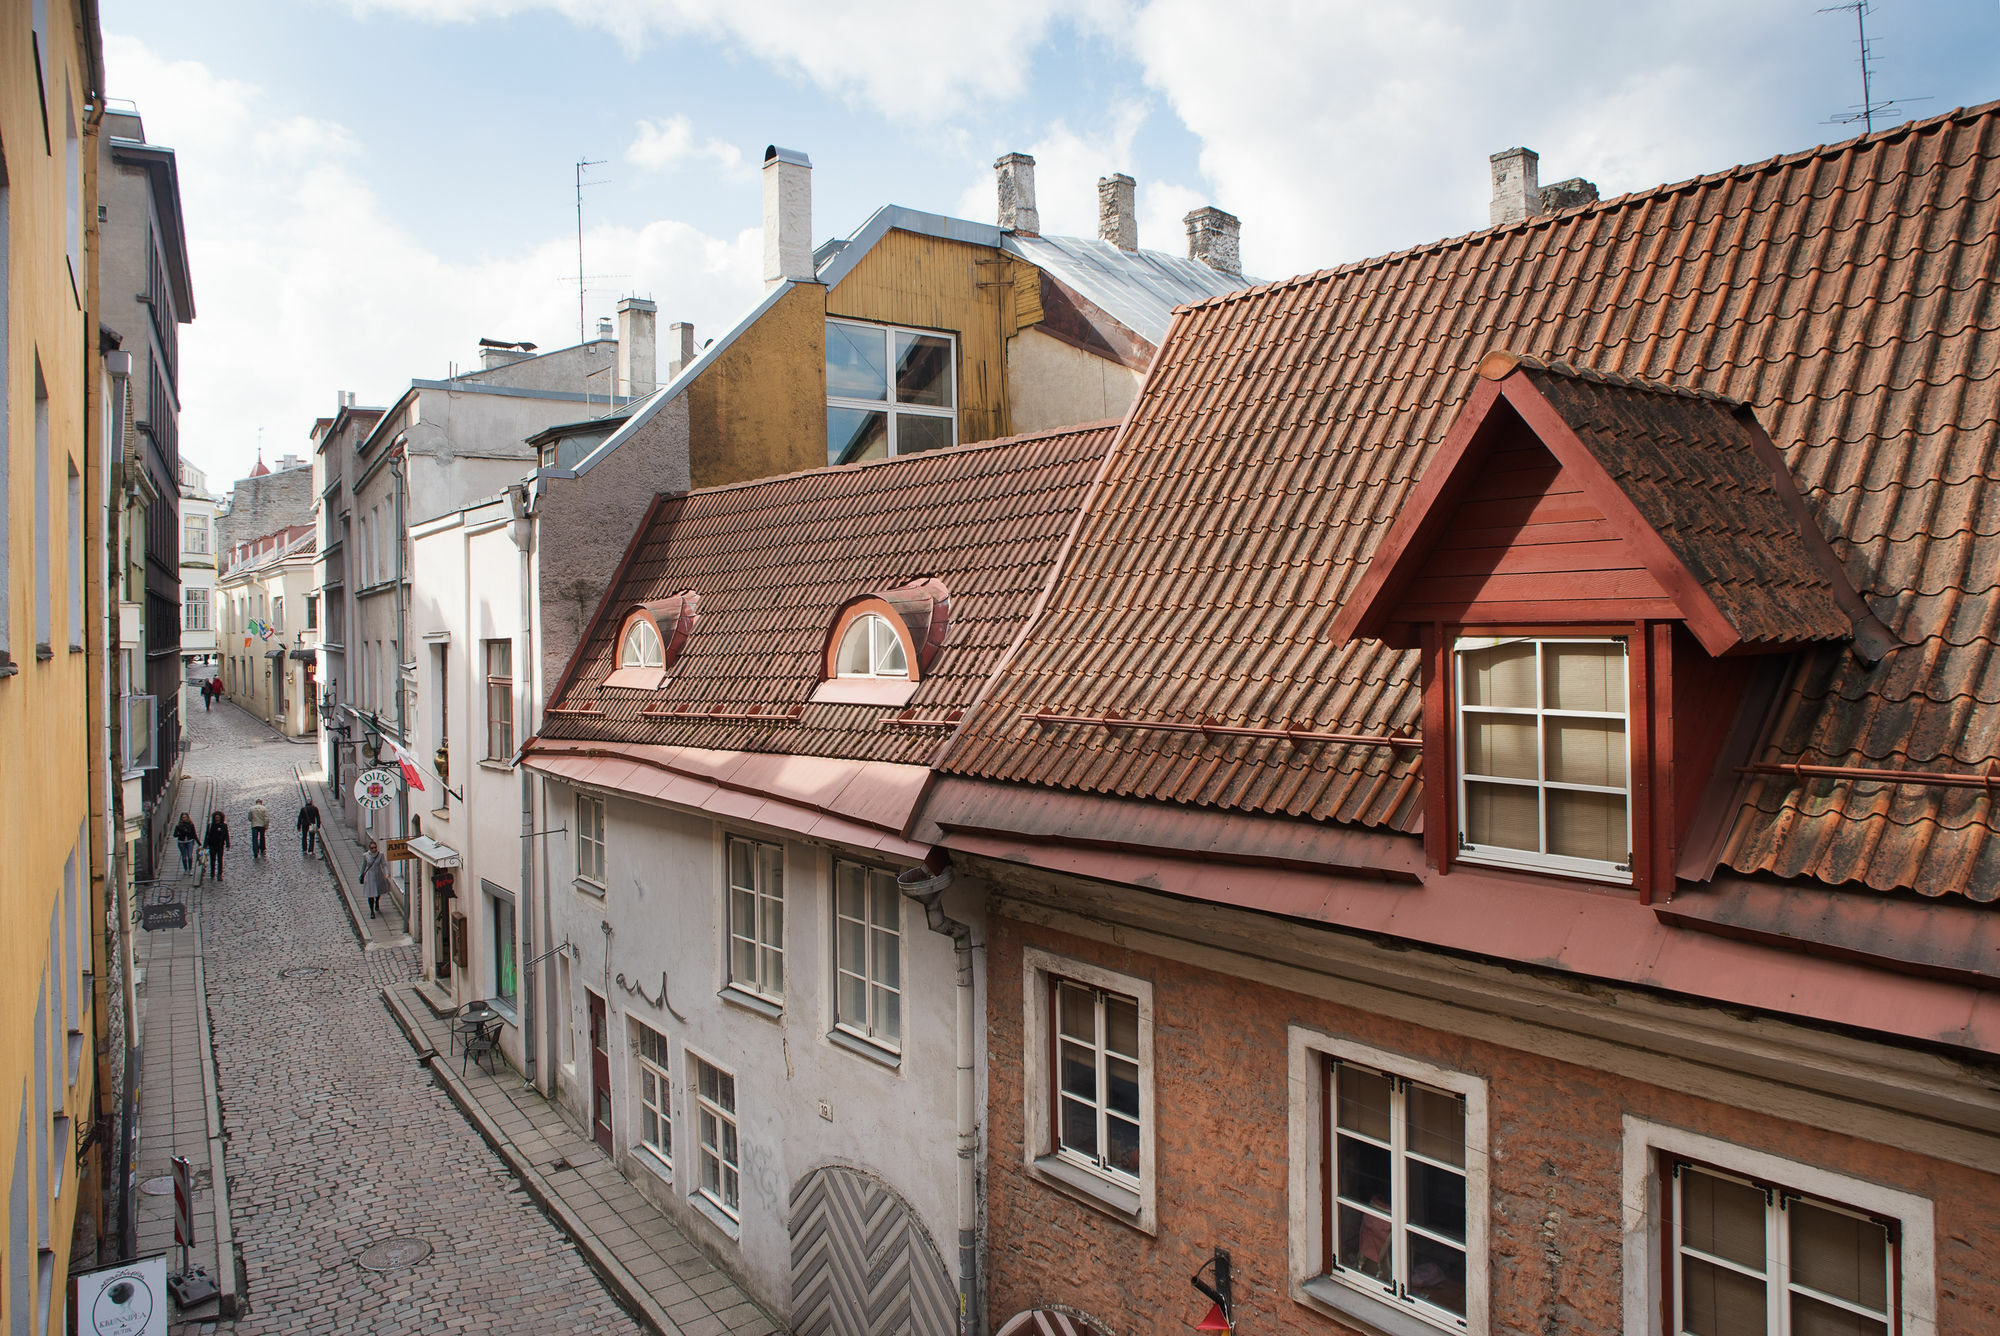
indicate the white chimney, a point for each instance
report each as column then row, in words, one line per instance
column 680, row 347
column 1516, row 192
column 638, row 347
column 1015, row 174
column 788, row 252
column 604, row 327
column 1117, row 219
column 1212, row 239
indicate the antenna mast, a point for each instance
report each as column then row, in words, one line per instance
column 1869, row 108
column 581, row 165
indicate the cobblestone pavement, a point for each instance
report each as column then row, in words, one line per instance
column 336, row 1137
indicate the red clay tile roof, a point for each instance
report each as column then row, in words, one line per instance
column 1849, row 295
column 775, row 560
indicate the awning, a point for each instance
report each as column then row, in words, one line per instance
column 430, row 851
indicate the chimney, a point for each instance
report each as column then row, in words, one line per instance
column 1015, row 174
column 638, row 347
column 492, row 355
column 1212, row 239
column 788, row 251
column 605, row 330
column 1574, row 193
column 1516, row 194
column 1117, row 221
column 680, row 347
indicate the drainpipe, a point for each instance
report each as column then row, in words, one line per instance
column 402, row 529
column 522, row 531
column 926, row 886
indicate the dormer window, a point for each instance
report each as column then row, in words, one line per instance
column 1544, row 775
column 650, row 639
column 870, row 647
column 642, row 647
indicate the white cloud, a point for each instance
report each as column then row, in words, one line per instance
column 304, row 286
column 660, row 145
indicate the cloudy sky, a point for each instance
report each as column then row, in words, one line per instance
column 372, row 185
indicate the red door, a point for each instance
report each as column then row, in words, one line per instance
column 600, row 1073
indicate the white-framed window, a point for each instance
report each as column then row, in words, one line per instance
column 1389, row 1186
column 642, row 647
column 889, row 391
column 195, row 530
column 719, row 1152
column 1089, row 1084
column 1544, row 772
column 868, row 954
column 500, row 918
column 870, row 647
column 197, row 609
column 1724, row 1239
column 756, row 954
column 499, row 700
column 590, row 838
column 656, row 1100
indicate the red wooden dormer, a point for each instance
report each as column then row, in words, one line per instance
column 1589, row 566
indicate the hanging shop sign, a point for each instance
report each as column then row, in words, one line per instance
column 399, row 850
column 375, row 788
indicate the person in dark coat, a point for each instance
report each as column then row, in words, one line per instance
column 215, row 842
column 308, row 824
column 188, row 838
column 207, row 695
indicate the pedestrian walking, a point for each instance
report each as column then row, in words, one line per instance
column 308, row 827
column 260, row 823
column 371, row 877
column 207, row 696
column 188, row 838
column 215, row 687
column 215, row 842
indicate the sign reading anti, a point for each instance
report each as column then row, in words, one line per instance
column 127, row 1300
column 375, row 788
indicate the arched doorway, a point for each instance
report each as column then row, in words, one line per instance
column 862, row 1263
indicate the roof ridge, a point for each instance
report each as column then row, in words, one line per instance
column 1500, row 362
column 1054, row 433
column 1616, row 202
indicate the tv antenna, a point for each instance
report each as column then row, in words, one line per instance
column 1869, row 108
column 582, row 165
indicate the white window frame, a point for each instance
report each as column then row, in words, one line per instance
column 1537, row 860
column 881, row 637
column 661, row 1107
column 868, row 1027
column 194, row 535
column 195, row 609
column 1133, row 1203
column 888, row 404
column 590, row 861
column 500, row 707
column 632, row 650
column 766, row 941
column 1645, row 1265
column 1312, row 1285
column 709, row 1151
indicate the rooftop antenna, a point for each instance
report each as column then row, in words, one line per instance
column 582, row 164
column 1869, row 108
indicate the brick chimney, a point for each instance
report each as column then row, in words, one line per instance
column 1117, row 219
column 638, row 347
column 1015, row 174
column 1212, row 239
column 1516, row 194
column 680, row 347
column 788, row 251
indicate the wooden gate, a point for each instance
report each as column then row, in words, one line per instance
column 862, row 1263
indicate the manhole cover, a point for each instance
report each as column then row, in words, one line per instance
column 163, row 1186
column 301, row 971
column 396, row 1254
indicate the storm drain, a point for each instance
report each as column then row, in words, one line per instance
column 163, row 1186
column 396, row 1254
column 301, row 971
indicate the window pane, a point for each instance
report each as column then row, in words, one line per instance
column 882, row 887
column 1436, row 1124
column 1838, row 1254
column 852, row 658
column 1437, row 1274
column 743, row 961
column 648, row 1090
column 1810, row 1317
column 856, row 362
column 1501, row 745
column 1586, row 751
column 888, row 969
column 739, row 870
column 649, row 1127
column 1584, row 677
column 1121, row 1151
column 890, row 661
column 742, row 911
column 1363, row 1243
column 774, row 971
column 853, row 434
column 1121, row 1026
column 1502, row 815
column 1363, row 1172
column 918, row 432
column 853, row 999
column 1079, row 1012
column 1436, row 1199
column 923, row 370
column 889, row 1016
column 1502, row 675
column 1719, row 1302
column 847, row 885
column 771, row 867
column 1588, row 825
column 1723, row 1218
column 1364, row 1102
column 1079, row 1071
column 1079, row 1127
column 1121, row 1080
column 706, row 1075
column 853, row 940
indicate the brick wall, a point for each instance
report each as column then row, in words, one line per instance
column 1222, row 1137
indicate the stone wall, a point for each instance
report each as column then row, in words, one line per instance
column 265, row 505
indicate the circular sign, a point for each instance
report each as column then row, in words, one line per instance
column 375, row 788
column 124, row 1307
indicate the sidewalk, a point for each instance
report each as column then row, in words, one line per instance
column 343, row 853
column 636, row 1250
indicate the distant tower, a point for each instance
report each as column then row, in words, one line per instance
column 260, row 471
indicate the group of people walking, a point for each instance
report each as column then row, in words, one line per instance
column 211, row 692
column 215, row 840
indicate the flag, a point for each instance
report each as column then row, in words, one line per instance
column 409, row 764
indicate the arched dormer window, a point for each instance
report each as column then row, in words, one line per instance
column 870, row 647
column 641, row 647
column 882, row 645
column 650, row 639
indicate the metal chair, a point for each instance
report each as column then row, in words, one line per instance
column 481, row 1043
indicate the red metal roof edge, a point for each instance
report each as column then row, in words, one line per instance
column 1616, row 202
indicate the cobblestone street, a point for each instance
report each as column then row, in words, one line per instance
column 336, row 1137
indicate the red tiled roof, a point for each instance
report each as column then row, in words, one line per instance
column 775, row 560
column 1849, row 295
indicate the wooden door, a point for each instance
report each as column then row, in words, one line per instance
column 600, row 1073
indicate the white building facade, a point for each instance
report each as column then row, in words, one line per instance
column 198, row 563
column 267, row 618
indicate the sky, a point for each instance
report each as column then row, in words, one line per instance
column 371, row 186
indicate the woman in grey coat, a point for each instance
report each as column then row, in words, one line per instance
column 371, row 877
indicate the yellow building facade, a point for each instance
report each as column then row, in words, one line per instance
column 51, row 921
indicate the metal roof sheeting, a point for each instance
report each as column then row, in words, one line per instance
column 1139, row 288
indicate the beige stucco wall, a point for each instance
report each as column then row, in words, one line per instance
column 1054, row 384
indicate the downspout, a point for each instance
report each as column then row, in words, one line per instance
column 402, row 529
column 522, row 531
column 926, row 885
